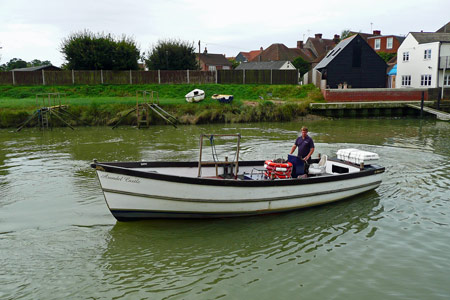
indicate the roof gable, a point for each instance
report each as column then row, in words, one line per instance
column 262, row 65
column 37, row 68
column 332, row 54
column 444, row 29
column 214, row 59
column 430, row 37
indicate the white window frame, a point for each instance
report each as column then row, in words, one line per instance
column 427, row 54
column 447, row 80
column 406, row 80
column 211, row 68
column 389, row 43
column 425, row 80
column 377, row 45
column 405, row 56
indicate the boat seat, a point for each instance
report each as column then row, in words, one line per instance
column 319, row 168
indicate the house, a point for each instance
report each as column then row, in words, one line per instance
column 279, row 52
column 385, row 43
column 421, row 60
column 353, row 63
column 248, row 56
column 38, row 68
column 212, row 62
column 266, row 65
column 319, row 46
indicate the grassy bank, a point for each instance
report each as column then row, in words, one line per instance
column 106, row 104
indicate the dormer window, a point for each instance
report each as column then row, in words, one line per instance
column 377, row 44
column 389, row 43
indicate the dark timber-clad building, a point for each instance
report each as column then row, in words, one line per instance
column 355, row 63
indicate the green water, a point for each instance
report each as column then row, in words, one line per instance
column 59, row 241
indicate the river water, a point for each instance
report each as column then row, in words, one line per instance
column 59, row 241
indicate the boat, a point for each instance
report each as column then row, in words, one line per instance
column 195, row 95
column 229, row 188
column 222, row 98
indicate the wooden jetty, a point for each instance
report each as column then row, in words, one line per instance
column 49, row 105
column 440, row 115
column 146, row 102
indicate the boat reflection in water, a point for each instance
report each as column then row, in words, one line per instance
column 203, row 257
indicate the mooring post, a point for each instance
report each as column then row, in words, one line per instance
column 439, row 102
column 421, row 104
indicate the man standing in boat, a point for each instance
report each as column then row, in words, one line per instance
column 305, row 146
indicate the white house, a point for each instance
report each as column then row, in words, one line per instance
column 422, row 59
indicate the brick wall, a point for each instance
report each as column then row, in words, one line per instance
column 366, row 95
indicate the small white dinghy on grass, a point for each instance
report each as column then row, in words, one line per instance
column 195, row 95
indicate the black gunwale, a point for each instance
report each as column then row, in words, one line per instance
column 124, row 168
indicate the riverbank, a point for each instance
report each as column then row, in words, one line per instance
column 107, row 104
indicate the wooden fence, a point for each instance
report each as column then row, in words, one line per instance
column 149, row 77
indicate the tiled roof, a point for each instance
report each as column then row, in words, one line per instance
column 321, row 46
column 261, row 65
column 279, row 52
column 331, row 55
column 430, row 37
column 444, row 29
column 214, row 59
column 30, row 69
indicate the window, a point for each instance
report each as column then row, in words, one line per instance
column 211, row 68
column 405, row 56
column 377, row 44
column 389, row 43
column 425, row 80
column 447, row 80
column 427, row 54
column 406, row 80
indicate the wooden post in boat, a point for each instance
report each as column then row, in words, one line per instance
column 200, row 156
column 237, row 156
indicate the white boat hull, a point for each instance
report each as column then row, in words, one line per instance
column 130, row 197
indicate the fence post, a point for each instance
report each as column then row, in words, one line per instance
column 13, row 78
column 73, row 77
column 187, row 75
column 271, row 76
column 131, row 79
column 216, row 76
column 43, row 78
column 159, row 77
column 243, row 77
column 101, row 75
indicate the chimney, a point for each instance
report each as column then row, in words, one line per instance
column 337, row 39
column 318, row 36
column 206, row 51
column 261, row 49
column 300, row 44
column 377, row 32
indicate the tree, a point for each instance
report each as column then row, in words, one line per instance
column 14, row 63
column 302, row 65
column 17, row 63
column 37, row 63
column 172, row 55
column 386, row 56
column 235, row 63
column 346, row 33
column 88, row 51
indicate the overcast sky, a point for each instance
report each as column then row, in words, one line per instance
column 34, row 29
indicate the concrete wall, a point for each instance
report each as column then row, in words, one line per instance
column 365, row 95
